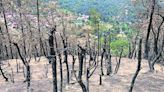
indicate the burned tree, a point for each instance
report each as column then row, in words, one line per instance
column 4, row 46
column 7, row 30
column 138, row 66
column 42, row 50
column 22, row 27
column 81, row 56
column 60, row 61
column 119, row 61
column 27, row 66
column 146, row 52
column 52, row 59
column 1, row 70
column 108, row 56
column 65, row 46
column 102, row 58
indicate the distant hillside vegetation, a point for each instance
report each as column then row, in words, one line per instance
column 107, row 8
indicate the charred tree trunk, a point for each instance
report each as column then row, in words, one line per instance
column 5, row 47
column 81, row 61
column 21, row 24
column 130, row 51
column 108, row 57
column 155, row 45
column 61, row 67
column 17, row 64
column 37, row 53
column 154, row 61
column 146, row 52
column 42, row 50
column 52, row 59
column 79, row 78
column 23, row 35
column 138, row 67
column 27, row 66
column 100, row 82
column 109, row 64
column 65, row 45
column 102, row 57
column 87, row 79
column 3, row 73
column 28, row 79
column 81, row 56
column 156, row 38
column 8, row 35
column 61, row 72
column 103, row 53
column 156, row 49
column 7, row 54
column 134, row 44
column 163, row 42
column 119, row 61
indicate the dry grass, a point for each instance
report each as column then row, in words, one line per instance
column 145, row 82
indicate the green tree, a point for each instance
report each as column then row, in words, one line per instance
column 94, row 16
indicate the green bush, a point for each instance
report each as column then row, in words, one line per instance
column 117, row 45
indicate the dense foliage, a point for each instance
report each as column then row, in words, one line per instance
column 108, row 8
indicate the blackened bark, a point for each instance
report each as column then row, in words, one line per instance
column 130, row 51
column 65, row 45
column 102, row 57
column 94, row 65
column 100, row 82
column 23, row 35
column 87, row 79
column 28, row 79
column 19, row 52
column 155, row 60
column 133, row 52
column 5, row 47
column 52, row 59
column 109, row 64
column 7, row 30
column 21, row 24
column 156, row 37
column 3, row 74
column 79, row 79
column 81, row 61
column 108, row 56
column 138, row 66
column 163, row 42
column 61, row 67
column 119, row 61
column 146, row 52
column 17, row 69
column 36, row 53
column 61, row 72
column 26, row 64
column 40, row 39
column 6, row 50
column 155, row 45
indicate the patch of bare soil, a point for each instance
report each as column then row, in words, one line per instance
column 120, row 82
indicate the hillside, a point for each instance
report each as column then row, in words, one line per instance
column 107, row 8
column 81, row 46
column 146, row 81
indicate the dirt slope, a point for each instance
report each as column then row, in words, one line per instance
column 145, row 82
